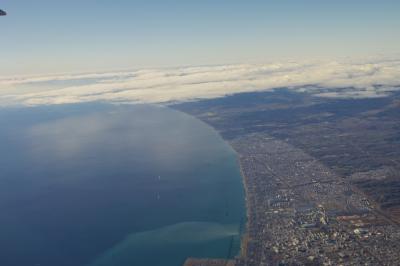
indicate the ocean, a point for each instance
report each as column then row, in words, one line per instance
column 121, row 185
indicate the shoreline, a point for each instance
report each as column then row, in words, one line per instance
column 243, row 230
column 312, row 181
column 244, row 234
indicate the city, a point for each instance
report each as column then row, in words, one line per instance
column 320, row 177
column 301, row 213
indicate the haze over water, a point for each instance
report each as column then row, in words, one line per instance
column 97, row 184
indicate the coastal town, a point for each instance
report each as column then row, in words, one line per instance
column 300, row 213
column 321, row 177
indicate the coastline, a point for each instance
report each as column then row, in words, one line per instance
column 244, row 235
column 295, row 153
column 243, row 230
column 243, row 227
column 244, row 238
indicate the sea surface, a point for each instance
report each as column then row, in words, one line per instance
column 127, row 185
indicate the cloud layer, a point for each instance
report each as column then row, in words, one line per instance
column 355, row 79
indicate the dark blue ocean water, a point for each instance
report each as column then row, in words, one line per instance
column 95, row 184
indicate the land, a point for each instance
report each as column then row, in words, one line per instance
column 208, row 262
column 322, row 176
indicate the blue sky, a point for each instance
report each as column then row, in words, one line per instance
column 48, row 36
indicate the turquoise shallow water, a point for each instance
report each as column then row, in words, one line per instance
column 97, row 185
column 172, row 241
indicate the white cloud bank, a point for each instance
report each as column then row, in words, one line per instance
column 356, row 79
